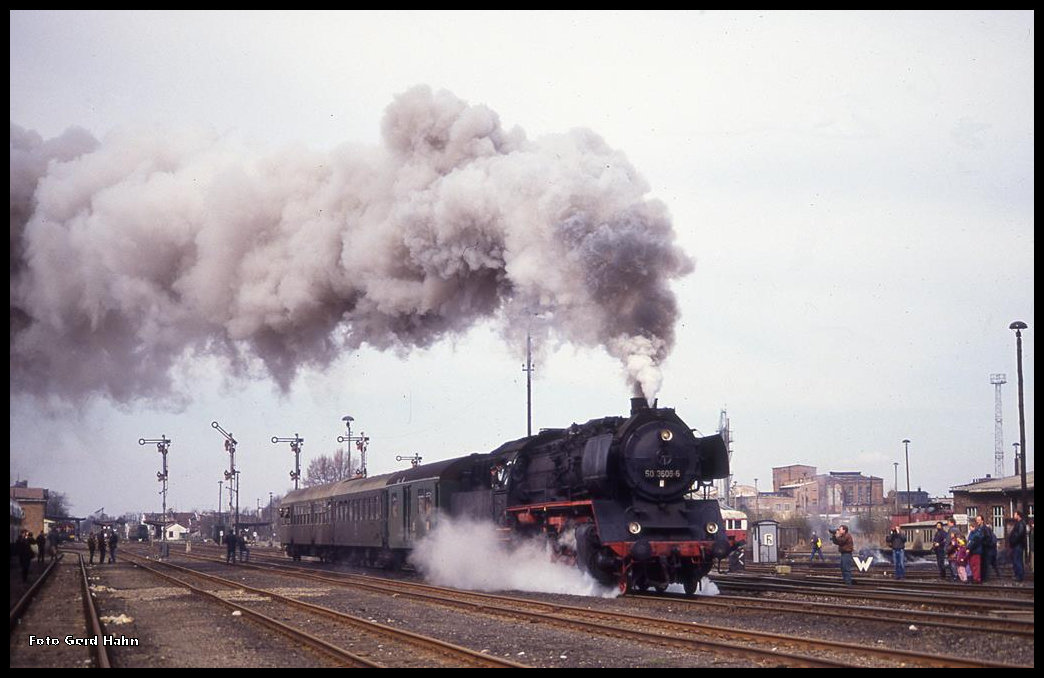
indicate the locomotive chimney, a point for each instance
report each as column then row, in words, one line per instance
column 638, row 404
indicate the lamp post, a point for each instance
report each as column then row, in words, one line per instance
column 909, row 503
column 757, row 500
column 895, row 484
column 528, row 369
column 1018, row 326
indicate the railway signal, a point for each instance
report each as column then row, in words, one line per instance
column 361, row 441
column 162, row 445
column 232, row 474
column 295, row 447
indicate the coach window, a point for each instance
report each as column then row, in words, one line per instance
column 394, row 506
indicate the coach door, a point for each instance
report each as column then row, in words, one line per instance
column 400, row 534
column 407, row 516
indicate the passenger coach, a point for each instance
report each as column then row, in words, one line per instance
column 377, row 521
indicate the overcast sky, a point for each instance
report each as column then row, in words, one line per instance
column 275, row 219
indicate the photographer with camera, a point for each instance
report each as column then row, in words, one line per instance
column 845, row 546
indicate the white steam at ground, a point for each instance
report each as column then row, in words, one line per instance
column 140, row 250
column 471, row 555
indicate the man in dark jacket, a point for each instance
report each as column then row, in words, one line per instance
column 230, row 547
column 24, row 549
column 114, row 540
column 845, row 546
column 939, row 543
column 897, row 542
column 1017, row 544
column 41, row 546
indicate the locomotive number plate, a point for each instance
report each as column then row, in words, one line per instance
column 663, row 473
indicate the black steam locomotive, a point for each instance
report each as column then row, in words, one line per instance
column 612, row 495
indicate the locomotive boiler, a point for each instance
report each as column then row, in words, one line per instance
column 616, row 496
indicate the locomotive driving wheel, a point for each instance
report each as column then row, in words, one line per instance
column 588, row 546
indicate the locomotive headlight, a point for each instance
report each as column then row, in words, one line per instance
column 712, row 528
column 634, row 527
column 666, row 435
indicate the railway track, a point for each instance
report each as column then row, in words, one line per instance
column 890, row 615
column 764, row 648
column 1011, row 601
column 66, row 633
column 266, row 605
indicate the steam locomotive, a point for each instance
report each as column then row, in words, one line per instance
column 615, row 496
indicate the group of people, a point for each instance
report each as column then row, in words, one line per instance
column 102, row 542
column 959, row 557
column 29, row 548
column 971, row 557
column 234, row 542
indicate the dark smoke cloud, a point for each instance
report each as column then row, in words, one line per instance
column 133, row 253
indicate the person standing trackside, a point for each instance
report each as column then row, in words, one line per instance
column 939, row 543
column 52, row 543
column 817, row 547
column 24, row 549
column 988, row 541
column 114, row 539
column 92, row 545
column 230, row 546
column 845, row 546
column 103, row 542
column 975, row 551
column 989, row 550
column 1017, row 545
column 897, row 541
column 41, row 546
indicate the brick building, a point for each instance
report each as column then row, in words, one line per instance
column 994, row 499
column 33, row 501
column 831, row 492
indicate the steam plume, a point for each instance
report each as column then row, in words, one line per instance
column 471, row 555
column 133, row 252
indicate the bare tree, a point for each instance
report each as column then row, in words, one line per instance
column 330, row 469
column 57, row 504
